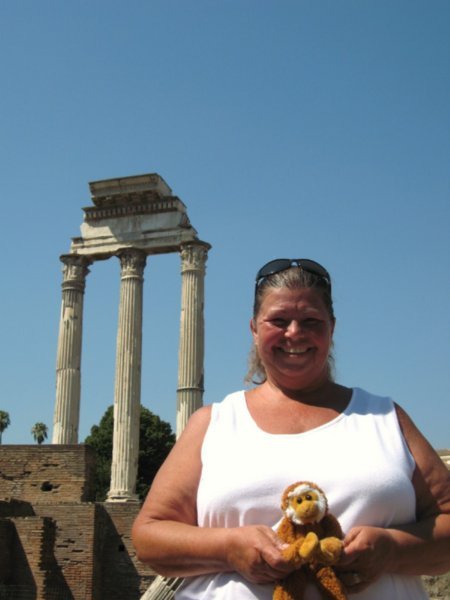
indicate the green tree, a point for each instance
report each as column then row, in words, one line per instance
column 155, row 442
column 39, row 432
column 4, row 422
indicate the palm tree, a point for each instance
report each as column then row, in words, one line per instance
column 4, row 422
column 39, row 431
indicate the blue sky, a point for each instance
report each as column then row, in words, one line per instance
column 289, row 129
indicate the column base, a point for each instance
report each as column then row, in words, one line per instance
column 118, row 497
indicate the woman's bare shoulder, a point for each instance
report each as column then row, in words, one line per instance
column 197, row 424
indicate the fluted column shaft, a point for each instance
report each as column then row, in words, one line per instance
column 68, row 361
column 191, row 347
column 127, row 394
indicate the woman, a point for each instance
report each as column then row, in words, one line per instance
column 212, row 509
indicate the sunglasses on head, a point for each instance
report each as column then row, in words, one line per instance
column 282, row 264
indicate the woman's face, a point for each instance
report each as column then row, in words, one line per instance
column 293, row 333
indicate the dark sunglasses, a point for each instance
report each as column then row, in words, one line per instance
column 282, row 264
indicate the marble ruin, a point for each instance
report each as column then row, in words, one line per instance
column 132, row 218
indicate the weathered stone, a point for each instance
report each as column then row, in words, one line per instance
column 131, row 217
column 191, row 348
column 127, row 397
column 68, row 361
column 438, row 586
column 136, row 212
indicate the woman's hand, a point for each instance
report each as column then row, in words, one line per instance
column 255, row 552
column 368, row 553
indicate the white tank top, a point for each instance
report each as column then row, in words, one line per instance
column 360, row 460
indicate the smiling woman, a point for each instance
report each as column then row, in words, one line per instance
column 314, row 283
column 292, row 334
column 293, row 331
column 212, row 511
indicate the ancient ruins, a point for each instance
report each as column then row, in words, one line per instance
column 56, row 542
column 132, row 219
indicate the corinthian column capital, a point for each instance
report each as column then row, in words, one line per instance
column 132, row 263
column 194, row 256
column 75, row 270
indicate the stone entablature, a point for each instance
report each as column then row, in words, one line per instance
column 139, row 212
column 136, row 206
column 119, row 189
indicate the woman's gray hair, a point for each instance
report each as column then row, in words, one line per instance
column 292, row 279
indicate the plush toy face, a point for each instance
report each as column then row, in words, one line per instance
column 305, row 504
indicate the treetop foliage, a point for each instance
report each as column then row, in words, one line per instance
column 155, row 442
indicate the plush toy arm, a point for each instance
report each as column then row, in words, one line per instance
column 330, row 551
column 326, row 551
column 292, row 552
column 309, row 547
column 330, row 544
column 287, row 534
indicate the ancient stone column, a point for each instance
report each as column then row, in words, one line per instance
column 127, row 394
column 68, row 361
column 191, row 347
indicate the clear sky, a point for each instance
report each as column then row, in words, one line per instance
column 314, row 129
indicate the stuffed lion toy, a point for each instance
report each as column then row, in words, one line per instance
column 314, row 539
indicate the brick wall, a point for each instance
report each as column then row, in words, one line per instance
column 29, row 553
column 130, row 578
column 7, row 534
column 71, row 543
column 47, row 473
column 55, row 544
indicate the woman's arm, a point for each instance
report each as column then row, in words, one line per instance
column 165, row 533
column 419, row 548
column 427, row 550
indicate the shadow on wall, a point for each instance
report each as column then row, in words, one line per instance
column 55, row 584
column 17, row 580
column 123, row 580
column 16, row 576
column 28, row 569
